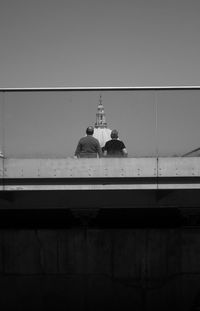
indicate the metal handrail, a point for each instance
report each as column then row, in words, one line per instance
column 194, row 150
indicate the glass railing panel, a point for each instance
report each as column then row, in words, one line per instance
column 133, row 114
column 1, row 123
column 50, row 123
column 178, row 122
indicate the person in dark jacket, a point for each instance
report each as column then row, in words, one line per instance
column 88, row 146
column 115, row 147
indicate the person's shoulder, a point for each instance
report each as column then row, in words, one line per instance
column 122, row 143
column 82, row 138
column 108, row 143
column 94, row 139
column 117, row 142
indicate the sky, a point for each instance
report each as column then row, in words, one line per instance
column 64, row 43
column 92, row 43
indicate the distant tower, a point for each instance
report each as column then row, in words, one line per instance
column 101, row 132
column 100, row 116
column 1, row 153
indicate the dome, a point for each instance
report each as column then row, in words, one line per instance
column 102, row 134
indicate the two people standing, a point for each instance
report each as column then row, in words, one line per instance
column 89, row 147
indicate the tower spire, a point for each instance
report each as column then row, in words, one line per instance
column 100, row 115
column 100, row 99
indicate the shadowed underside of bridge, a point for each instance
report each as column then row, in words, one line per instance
column 100, row 234
column 103, row 192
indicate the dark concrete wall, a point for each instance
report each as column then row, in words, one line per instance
column 99, row 269
column 121, row 250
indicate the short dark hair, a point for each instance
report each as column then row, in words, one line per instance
column 114, row 134
column 90, row 130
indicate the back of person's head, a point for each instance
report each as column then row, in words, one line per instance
column 90, row 130
column 114, row 134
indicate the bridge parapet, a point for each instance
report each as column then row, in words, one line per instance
column 104, row 173
column 80, row 168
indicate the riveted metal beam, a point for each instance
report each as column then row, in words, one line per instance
column 1, row 174
column 179, row 173
column 100, row 174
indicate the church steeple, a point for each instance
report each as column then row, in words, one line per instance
column 100, row 115
column 101, row 132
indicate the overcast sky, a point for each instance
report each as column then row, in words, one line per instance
column 48, row 43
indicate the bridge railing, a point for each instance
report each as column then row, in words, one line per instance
column 100, row 174
column 152, row 122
